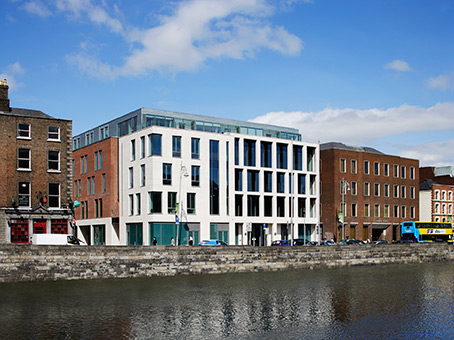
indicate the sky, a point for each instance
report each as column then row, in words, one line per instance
column 377, row 73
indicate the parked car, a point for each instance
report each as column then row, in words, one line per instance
column 281, row 243
column 212, row 243
column 328, row 243
column 300, row 242
column 379, row 242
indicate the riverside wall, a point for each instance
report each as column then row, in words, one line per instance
column 40, row 263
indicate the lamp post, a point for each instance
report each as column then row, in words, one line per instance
column 183, row 172
column 344, row 185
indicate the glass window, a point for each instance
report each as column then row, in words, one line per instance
column 354, row 187
column 366, row 167
column 167, row 174
column 237, row 151
column 376, row 189
column 396, row 170
column 155, row 145
column 155, row 202
column 376, row 168
column 281, row 155
column 24, row 194
column 354, row 166
column 253, row 180
column 266, row 159
column 386, row 169
column 131, row 178
column 191, row 203
column 53, row 133
column 142, row 147
column 172, row 202
column 195, row 148
column 297, row 158
column 53, row 160
column 133, row 150
column 268, row 181
column 23, row 130
column 23, row 159
column 301, row 184
column 386, row 190
column 138, row 204
column 342, row 164
column 131, row 205
column 195, row 175
column 103, row 182
column 54, row 195
column 238, row 180
column 403, row 172
column 396, row 191
column 366, row 210
column 176, row 146
column 280, row 182
column 249, row 152
column 214, row 176
column 142, row 175
column 366, row 189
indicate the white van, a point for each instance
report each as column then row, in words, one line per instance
column 54, row 239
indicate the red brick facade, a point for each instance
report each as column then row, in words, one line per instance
column 381, row 191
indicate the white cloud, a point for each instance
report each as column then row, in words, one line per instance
column 38, row 8
column 442, row 82
column 430, row 154
column 10, row 72
column 199, row 30
column 398, row 65
column 369, row 127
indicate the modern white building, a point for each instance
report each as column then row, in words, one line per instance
column 183, row 175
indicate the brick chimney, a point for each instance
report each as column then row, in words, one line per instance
column 4, row 100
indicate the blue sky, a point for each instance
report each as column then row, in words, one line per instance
column 378, row 73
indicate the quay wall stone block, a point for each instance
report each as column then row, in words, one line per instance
column 37, row 263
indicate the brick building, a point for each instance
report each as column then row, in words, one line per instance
column 35, row 173
column 370, row 192
column 96, row 188
column 436, row 194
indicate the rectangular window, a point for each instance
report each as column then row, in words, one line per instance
column 253, row 180
column 191, row 203
column 386, row 211
column 376, row 168
column 214, row 176
column 89, row 186
column 354, row 187
column 301, row 184
column 403, row 191
column 155, row 202
column 342, row 164
column 280, row 206
column 396, row 170
column 195, row 148
column 172, row 203
column 377, row 190
column 412, row 173
column 24, row 194
column 195, row 175
column 93, row 185
column 238, row 180
column 238, row 205
column 53, row 160
column 354, row 210
column 100, row 159
column 131, row 205
column 23, row 131
column 86, row 163
column 366, row 167
column 366, row 189
column 23, row 159
column 103, row 182
column 354, row 165
column 253, row 205
column 297, row 157
column 54, row 195
column 386, row 190
column 268, row 181
column 396, row 191
column 237, row 151
column 53, row 133
column 131, row 178
column 167, row 174
column 176, row 146
column 133, row 150
column 266, row 152
column 412, row 193
column 412, row 212
column 386, row 169
column 403, row 212
column 104, row 132
column 281, row 155
column 142, row 147
column 249, row 152
column 280, row 182
column 96, row 160
column 366, row 210
column 154, row 145
column 142, row 175
column 377, row 210
column 403, row 172
column 396, row 211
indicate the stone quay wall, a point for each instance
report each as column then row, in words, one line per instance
column 40, row 263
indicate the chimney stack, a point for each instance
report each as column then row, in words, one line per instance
column 4, row 100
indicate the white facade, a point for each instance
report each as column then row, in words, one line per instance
column 248, row 215
column 425, row 205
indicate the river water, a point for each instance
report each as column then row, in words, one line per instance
column 380, row 302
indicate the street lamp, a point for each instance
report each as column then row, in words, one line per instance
column 344, row 184
column 183, row 172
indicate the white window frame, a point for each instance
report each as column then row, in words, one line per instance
column 19, row 131
column 49, row 134
column 22, row 159
column 53, row 161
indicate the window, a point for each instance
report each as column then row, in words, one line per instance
column 155, row 145
column 133, row 150
column 377, row 210
column 268, row 181
column 366, row 189
column 366, row 210
column 96, row 160
column 249, row 152
column 403, row 172
column 354, row 210
column 386, row 211
column 297, row 157
column 195, row 175
column 76, row 143
column 354, row 188
column 396, row 211
column 396, row 171
column 103, row 182
column 142, row 147
column 24, row 194
column 403, row 191
column 195, row 148
column 253, row 205
column 280, row 182
column 131, row 205
column 23, row 131
column 155, row 202
column 412, row 173
column 396, row 191
column 238, row 180
column 89, row 186
column 376, row 168
column 281, row 156
column 437, row 194
column 253, row 180
column 412, row 212
column 142, row 175
column 131, row 178
column 376, row 189
column 100, row 159
column 386, row 169
column 301, row 184
column 176, row 146
column 354, row 166
column 190, row 203
column 386, row 190
column 366, row 167
column 443, row 195
column 266, row 152
column 104, row 132
column 167, row 174
column 237, row 152
column 23, row 159
column 403, row 212
column 214, row 176
column 54, row 195
column 53, row 160
column 93, row 185
column 53, row 133
column 89, row 138
column 172, row 203
column 268, row 206
column 342, row 165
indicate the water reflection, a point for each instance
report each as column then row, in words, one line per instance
column 383, row 302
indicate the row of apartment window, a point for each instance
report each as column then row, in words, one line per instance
column 398, row 211
column 443, row 208
column 90, row 186
column 445, row 195
column 24, row 132
column 253, row 205
column 98, row 209
column 24, row 195
column 24, row 160
column 398, row 191
column 398, row 171
column 84, row 162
